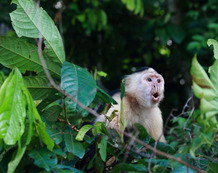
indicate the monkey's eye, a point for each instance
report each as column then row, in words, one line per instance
column 149, row 79
column 158, row 80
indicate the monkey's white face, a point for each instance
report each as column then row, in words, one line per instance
column 151, row 88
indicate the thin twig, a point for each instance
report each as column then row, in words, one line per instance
column 156, row 151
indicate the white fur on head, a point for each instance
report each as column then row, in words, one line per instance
column 137, row 86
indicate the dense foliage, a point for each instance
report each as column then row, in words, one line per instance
column 42, row 128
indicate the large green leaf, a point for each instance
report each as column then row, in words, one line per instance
column 207, row 93
column 14, row 163
column 12, row 108
column 30, row 21
column 15, row 52
column 78, row 82
column 44, row 158
column 199, row 76
column 38, row 86
column 39, row 125
column 74, row 146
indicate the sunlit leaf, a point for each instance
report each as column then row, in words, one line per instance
column 213, row 70
column 83, row 131
column 29, row 20
column 199, row 76
column 39, row 125
column 15, row 52
column 12, row 108
column 215, row 47
column 207, row 93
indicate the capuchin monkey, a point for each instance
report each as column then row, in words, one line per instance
column 144, row 89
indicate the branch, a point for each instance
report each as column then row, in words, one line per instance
column 156, row 151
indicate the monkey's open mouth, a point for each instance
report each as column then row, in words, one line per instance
column 155, row 97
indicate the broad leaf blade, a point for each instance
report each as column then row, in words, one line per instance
column 15, row 52
column 44, row 158
column 78, row 82
column 38, row 86
column 40, row 126
column 12, row 108
column 30, row 21
column 199, row 76
column 74, row 146
column 14, row 163
column 207, row 93
column 52, row 113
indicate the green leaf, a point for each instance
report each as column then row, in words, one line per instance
column 12, row 108
column 74, row 146
column 14, row 162
column 38, row 86
column 199, row 76
column 179, row 168
column 212, row 167
column 103, row 148
column 15, row 52
column 128, row 167
column 130, row 5
column 55, row 135
column 207, row 106
column 105, row 96
column 44, row 135
column 207, row 93
column 176, row 32
column 39, row 125
column 213, row 70
column 31, row 21
column 83, row 131
column 79, row 83
column 44, row 158
column 52, row 113
column 2, row 78
column 48, row 100
column 215, row 47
